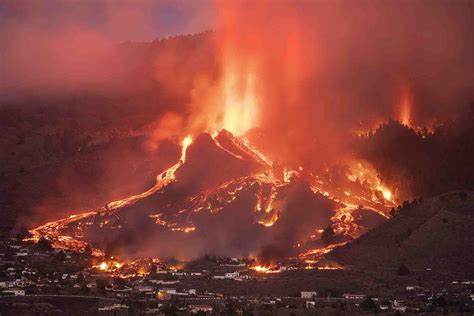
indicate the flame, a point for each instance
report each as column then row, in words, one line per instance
column 172, row 226
column 269, row 216
column 103, row 266
column 364, row 172
column 240, row 98
column 184, row 229
column 185, row 143
column 265, row 269
column 109, row 266
column 386, row 194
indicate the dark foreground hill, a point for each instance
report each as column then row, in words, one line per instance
column 436, row 234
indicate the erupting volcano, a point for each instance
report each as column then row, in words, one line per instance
column 224, row 197
column 236, row 157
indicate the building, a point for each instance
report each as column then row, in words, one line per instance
column 414, row 288
column 7, row 284
column 113, row 307
column 194, row 309
column 308, row 294
column 144, row 289
column 231, row 275
column 15, row 292
column 349, row 296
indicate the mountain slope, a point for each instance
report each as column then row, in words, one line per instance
column 437, row 234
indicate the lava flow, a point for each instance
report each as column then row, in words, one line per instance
column 217, row 182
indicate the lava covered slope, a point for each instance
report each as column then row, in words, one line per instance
column 222, row 197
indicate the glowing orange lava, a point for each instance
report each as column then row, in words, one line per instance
column 265, row 269
column 184, row 146
column 103, row 266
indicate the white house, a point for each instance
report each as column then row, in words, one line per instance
column 194, row 309
column 349, row 296
column 231, row 275
column 7, row 284
column 16, row 292
column 113, row 307
column 308, row 294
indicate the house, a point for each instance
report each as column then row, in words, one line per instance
column 308, row 294
column 119, row 291
column 113, row 307
column 401, row 309
column 144, row 289
column 179, row 273
column 196, row 273
column 399, row 305
column 169, row 291
column 231, row 275
column 384, row 307
column 22, row 283
column 194, row 309
column 349, row 296
column 414, row 288
column 163, row 296
column 163, row 282
column 7, row 284
column 15, row 292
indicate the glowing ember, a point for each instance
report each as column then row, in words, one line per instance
column 103, row 266
column 387, row 194
column 265, row 269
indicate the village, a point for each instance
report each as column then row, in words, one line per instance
column 36, row 273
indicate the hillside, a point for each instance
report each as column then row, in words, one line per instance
column 436, row 234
